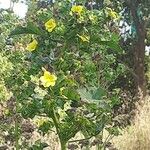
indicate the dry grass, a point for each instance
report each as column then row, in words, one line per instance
column 136, row 136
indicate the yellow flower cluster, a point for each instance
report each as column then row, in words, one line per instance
column 32, row 46
column 77, row 9
column 50, row 25
column 48, row 79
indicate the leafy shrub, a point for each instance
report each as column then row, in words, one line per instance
column 66, row 71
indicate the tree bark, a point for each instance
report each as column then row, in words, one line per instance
column 139, row 50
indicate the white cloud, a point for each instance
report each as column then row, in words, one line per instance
column 20, row 9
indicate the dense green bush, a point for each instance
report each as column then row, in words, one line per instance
column 65, row 72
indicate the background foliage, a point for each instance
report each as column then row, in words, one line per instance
column 88, row 56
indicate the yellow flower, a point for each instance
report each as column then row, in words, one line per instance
column 50, row 25
column 32, row 46
column 84, row 38
column 112, row 14
column 48, row 79
column 77, row 9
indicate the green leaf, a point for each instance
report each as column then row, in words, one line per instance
column 29, row 29
column 71, row 94
column 113, row 45
column 46, row 126
column 98, row 93
column 31, row 109
column 92, row 93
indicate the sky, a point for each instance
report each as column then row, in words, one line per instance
column 20, row 9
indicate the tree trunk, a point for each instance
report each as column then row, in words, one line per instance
column 139, row 50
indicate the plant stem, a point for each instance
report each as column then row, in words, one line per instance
column 16, row 135
column 56, row 123
column 16, row 127
column 63, row 146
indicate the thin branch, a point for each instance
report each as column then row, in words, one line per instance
column 85, row 139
